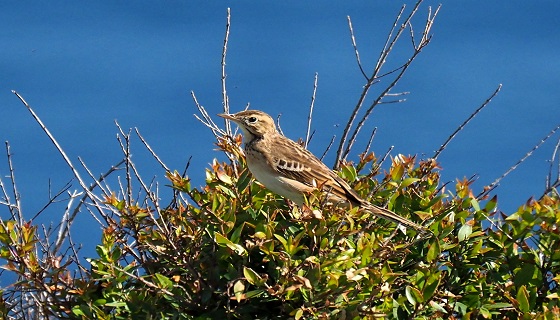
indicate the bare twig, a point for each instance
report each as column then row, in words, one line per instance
column 225, row 99
column 550, row 185
column 65, row 228
column 366, row 151
column 376, row 102
column 14, row 186
column 207, row 121
column 386, row 155
column 392, row 38
column 97, row 182
column 386, row 92
column 494, row 184
column 125, row 148
column 153, row 198
column 15, row 209
column 65, row 222
column 52, row 199
column 328, row 147
column 310, row 116
column 151, row 151
column 278, row 124
column 355, row 47
column 484, row 104
column 370, row 81
column 61, row 151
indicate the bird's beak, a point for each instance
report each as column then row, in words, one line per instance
column 227, row 116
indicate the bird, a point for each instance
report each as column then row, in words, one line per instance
column 291, row 171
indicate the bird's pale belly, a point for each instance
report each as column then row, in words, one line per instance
column 275, row 182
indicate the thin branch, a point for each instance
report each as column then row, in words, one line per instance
column 151, row 151
column 153, row 198
column 328, row 147
column 65, row 222
column 310, row 116
column 60, row 150
column 125, row 148
column 388, row 46
column 549, row 184
column 386, row 155
column 225, row 99
column 64, row 231
column 52, row 199
column 392, row 38
column 375, row 103
column 278, row 124
column 366, row 151
column 356, row 47
column 494, row 184
column 369, row 82
column 444, row 145
column 207, row 121
column 15, row 209
column 14, row 187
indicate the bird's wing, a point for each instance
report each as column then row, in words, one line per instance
column 299, row 164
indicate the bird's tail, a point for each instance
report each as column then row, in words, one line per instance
column 391, row 216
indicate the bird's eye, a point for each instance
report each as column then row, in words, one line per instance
column 252, row 119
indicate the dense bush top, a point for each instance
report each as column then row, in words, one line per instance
column 232, row 249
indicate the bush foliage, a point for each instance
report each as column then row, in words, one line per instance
column 232, row 249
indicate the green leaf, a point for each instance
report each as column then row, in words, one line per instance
column 437, row 306
column 413, row 295
column 491, row 204
column 120, row 205
column 474, row 204
column 498, row 305
column 252, row 277
column 102, row 252
column 238, row 289
column 408, row 181
column 78, row 311
column 163, row 281
column 464, row 232
column 236, row 235
column 349, row 173
column 298, row 314
column 226, row 190
column 397, row 171
column 476, row 249
column 523, row 299
column 223, row 241
column 243, row 180
column 485, row 312
column 431, row 285
column 116, row 304
column 433, row 251
column 527, row 273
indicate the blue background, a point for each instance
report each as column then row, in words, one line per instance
column 83, row 65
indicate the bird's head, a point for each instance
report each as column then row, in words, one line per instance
column 253, row 123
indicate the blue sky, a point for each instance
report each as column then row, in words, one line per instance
column 83, row 65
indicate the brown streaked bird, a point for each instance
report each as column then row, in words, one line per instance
column 290, row 170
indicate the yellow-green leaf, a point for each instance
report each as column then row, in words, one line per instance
column 433, row 251
column 238, row 289
column 523, row 299
column 413, row 295
column 464, row 232
column 221, row 240
column 408, row 181
column 252, row 277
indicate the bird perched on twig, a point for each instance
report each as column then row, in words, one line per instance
column 288, row 169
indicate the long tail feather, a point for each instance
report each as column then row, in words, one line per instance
column 391, row 216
